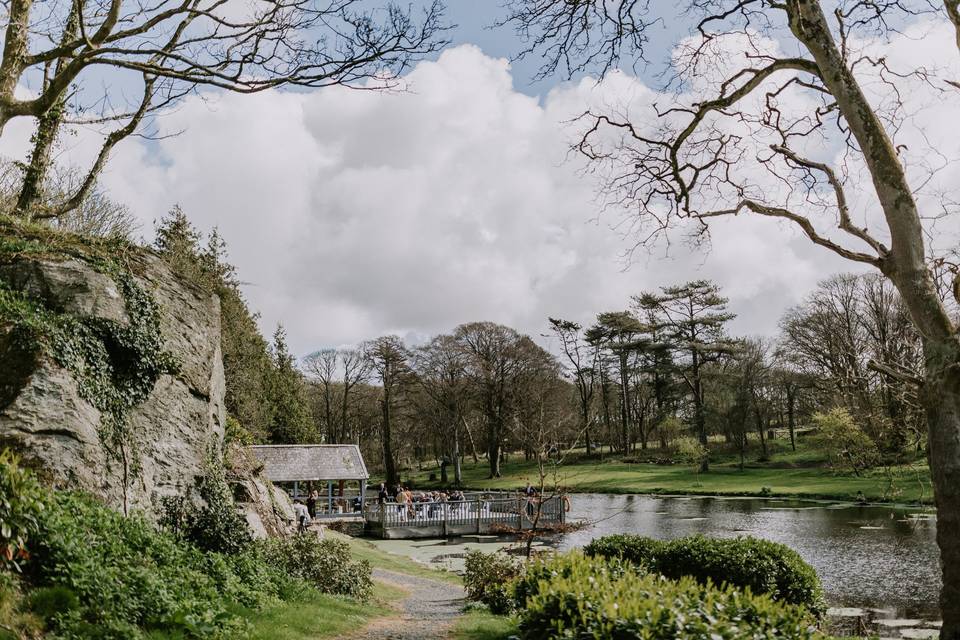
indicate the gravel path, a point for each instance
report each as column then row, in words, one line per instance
column 426, row 612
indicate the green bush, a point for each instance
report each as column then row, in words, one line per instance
column 638, row 550
column 588, row 601
column 325, row 564
column 543, row 570
column 21, row 504
column 850, row 448
column 487, row 579
column 127, row 577
column 211, row 523
column 49, row 602
column 762, row 566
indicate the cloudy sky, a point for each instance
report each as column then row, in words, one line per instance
column 354, row 214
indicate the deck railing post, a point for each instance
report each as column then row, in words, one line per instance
column 479, row 506
column 444, row 525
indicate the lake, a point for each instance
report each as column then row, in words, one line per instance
column 880, row 557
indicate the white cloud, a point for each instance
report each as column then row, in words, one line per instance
column 352, row 214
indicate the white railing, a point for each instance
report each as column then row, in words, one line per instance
column 514, row 511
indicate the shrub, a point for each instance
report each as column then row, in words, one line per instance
column 638, row 550
column 762, row 566
column 128, row 577
column 587, row 601
column 543, row 570
column 689, row 450
column 487, row 578
column 214, row 525
column 325, row 564
column 49, row 602
column 21, row 503
column 849, row 447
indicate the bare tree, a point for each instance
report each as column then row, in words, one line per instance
column 173, row 47
column 321, row 366
column 758, row 141
column 441, row 367
column 388, row 358
column 580, row 356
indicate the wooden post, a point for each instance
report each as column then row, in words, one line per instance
column 479, row 505
column 296, row 489
column 329, row 497
column 444, row 526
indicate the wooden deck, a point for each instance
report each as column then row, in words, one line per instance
column 478, row 514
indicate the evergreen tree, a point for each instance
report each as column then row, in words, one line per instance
column 290, row 418
column 691, row 319
column 247, row 361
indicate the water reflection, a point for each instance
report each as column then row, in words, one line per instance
column 867, row 556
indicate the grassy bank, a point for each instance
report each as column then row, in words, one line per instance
column 480, row 624
column 318, row 615
column 804, row 473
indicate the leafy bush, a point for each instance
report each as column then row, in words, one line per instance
column 638, row 550
column 588, row 601
column 487, row 578
column 689, row 450
column 214, row 525
column 327, row 564
column 21, row 503
column 849, row 447
column 127, row 577
column 762, row 566
column 543, row 570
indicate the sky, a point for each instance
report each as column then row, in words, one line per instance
column 354, row 214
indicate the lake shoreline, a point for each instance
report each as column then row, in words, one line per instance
column 671, row 493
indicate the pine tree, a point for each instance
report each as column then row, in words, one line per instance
column 290, row 419
column 691, row 319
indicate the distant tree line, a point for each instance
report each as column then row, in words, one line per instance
column 635, row 379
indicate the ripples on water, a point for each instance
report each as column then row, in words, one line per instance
column 867, row 556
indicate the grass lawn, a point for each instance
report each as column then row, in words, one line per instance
column 802, row 473
column 318, row 615
column 479, row 624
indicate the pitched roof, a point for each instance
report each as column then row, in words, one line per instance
column 288, row 463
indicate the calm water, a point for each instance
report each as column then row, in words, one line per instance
column 867, row 556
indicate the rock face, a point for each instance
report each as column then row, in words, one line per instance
column 267, row 509
column 44, row 417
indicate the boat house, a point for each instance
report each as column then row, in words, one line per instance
column 335, row 471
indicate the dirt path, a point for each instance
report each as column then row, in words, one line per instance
column 426, row 613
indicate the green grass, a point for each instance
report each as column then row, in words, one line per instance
column 317, row 615
column 392, row 562
column 480, row 624
column 800, row 474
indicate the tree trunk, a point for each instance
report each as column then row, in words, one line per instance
column 762, row 427
column 791, row 416
column 457, row 471
column 389, row 467
column 941, row 399
column 624, row 402
column 699, row 419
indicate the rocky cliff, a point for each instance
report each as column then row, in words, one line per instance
column 111, row 378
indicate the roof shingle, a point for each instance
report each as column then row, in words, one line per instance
column 301, row 463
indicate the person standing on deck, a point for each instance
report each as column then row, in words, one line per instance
column 312, row 504
column 302, row 515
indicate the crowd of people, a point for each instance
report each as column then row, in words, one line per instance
column 428, row 504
